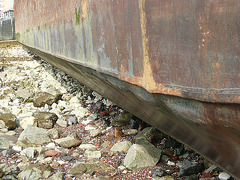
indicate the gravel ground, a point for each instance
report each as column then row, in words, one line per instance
column 31, row 91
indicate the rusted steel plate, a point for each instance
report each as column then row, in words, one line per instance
column 187, row 48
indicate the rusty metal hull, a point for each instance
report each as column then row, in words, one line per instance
column 175, row 64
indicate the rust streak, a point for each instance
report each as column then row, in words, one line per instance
column 148, row 79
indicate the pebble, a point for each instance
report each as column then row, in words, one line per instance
column 95, row 132
column 90, row 127
column 224, row 176
column 170, row 163
column 51, row 153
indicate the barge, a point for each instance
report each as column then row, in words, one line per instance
column 174, row 64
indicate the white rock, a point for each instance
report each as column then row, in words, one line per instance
column 139, row 156
column 61, row 162
column 54, row 106
column 4, row 130
column 170, row 163
column 56, row 111
column 40, row 158
column 47, row 160
column 16, row 110
column 88, row 146
column 2, row 124
column 11, row 133
column 62, row 104
column 30, row 152
column 17, row 148
column 74, row 100
column 80, row 112
column 56, row 176
column 224, row 176
column 92, row 117
column 121, row 146
column 90, row 127
column 121, row 167
column 50, row 145
column 61, row 122
column 97, row 96
column 91, row 154
column 34, row 135
column 95, row 132
column 179, row 164
column 28, row 121
column 75, row 154
column 107, row 102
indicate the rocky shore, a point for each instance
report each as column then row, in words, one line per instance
column 51, row 127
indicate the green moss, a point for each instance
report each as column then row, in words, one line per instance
column 78, row 15
column 18, row 36
column 27, row 30
column 39, row 28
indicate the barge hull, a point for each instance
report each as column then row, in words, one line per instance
column 174, row 64
column 175, row 116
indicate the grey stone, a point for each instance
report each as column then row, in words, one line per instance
column 4, row 169
column 130, row 131
column 68, row 158
column 189, row 168
column 210, row 169
column 144, row 142
column 92, row 154
column 30, row 152
column 180, row 150
column 224, row 176
column 45, row 119
column 121, row 146
column 165, row 158
column 9, row 120
column 147, row 132
column 72, row 120
column 95, row 132
column 9, row 177
column 8, row 152
column 27, row 121
column 42, row 98
column 56, row 176
column 24, row 93
column 69, row 141
column 61, row 122
column 105, row 151
column 35, row 171
column 53, row 133
column 4, row 143
column 14, row 169
column 2, row 124
column 33, row 136
column 90, row 127
column 88, row 146
column 122, row 119
column 139, row 156
column 158, row 172
column 105, row 144
column 92, row 117
column 80, row 168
